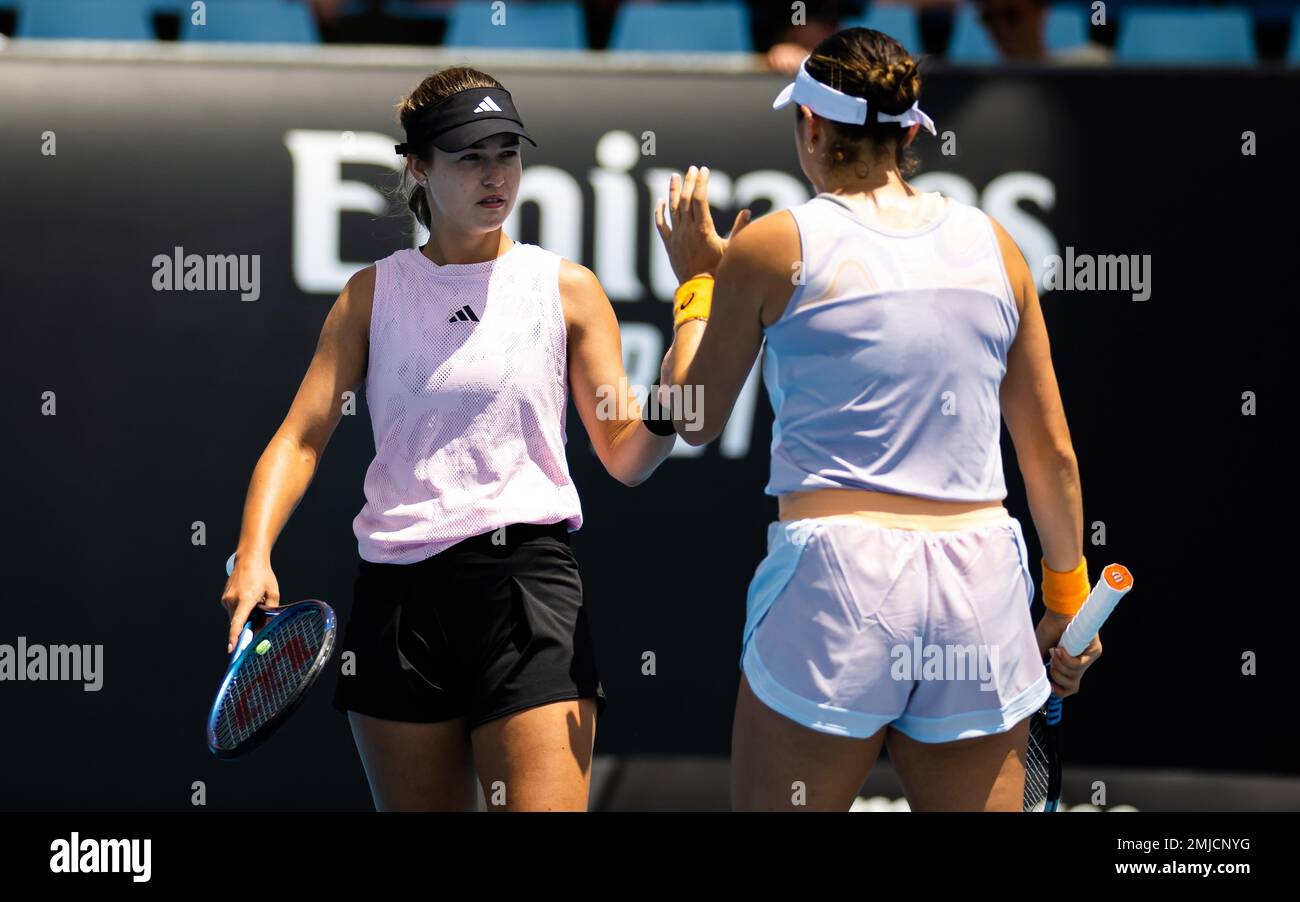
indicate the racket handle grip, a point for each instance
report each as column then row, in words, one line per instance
column 1114, row 584
column 1053, row 709
column 245, row 637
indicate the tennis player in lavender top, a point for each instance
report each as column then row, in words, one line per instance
column 898, row 329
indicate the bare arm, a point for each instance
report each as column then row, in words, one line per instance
column 1035, row 417
column 714, row 358
column 629, row 451
column 711, row 359
column 289, row 462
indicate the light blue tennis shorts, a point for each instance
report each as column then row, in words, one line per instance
column 852, row 625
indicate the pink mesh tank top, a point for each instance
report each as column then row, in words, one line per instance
column 467, row 390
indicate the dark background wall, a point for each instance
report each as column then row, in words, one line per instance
column 166, row 399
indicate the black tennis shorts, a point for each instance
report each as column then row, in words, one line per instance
column 477, row 631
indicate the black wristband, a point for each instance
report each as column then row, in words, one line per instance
column 659, row 427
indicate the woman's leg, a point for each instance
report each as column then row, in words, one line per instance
column 537, row 759
column 778, row 764
column 986, row 773
column 416, row 766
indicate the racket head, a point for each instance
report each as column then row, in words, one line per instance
column 269, row 676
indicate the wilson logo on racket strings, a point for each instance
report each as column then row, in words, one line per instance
column 53, row 663
column 270, row 681
column 103, row 856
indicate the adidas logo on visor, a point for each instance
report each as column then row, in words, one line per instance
column 487, row 106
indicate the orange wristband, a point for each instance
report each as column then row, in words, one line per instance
column 692, row 300
column 1065, row 592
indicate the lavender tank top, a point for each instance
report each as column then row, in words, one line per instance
column 885, row 368
column 467, row 390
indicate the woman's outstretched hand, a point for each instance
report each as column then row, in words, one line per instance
column 686, row 226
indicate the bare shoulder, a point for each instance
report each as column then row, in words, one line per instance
column 1017, row 269
column 576, row 279
column 360, row 288
column 357, row 299
column 581, row 293
column 760, row 264
column 768, row 244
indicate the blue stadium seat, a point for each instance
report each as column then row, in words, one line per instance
column 1117, row 8
column 546, row 26
column 1217, row 36
column 899, row 22
column 1293, row 50
column 682, row 27
column 120, row 20
column 1066, row 27
column 253, row 21
column 183, row 7
column 970, row 41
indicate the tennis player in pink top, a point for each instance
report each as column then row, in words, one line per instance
column 470, row 650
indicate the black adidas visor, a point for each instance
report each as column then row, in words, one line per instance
column 464, row 118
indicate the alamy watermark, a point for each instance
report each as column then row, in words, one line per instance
column 103, row 856
column 22, row 662
column 948, row 662
column 209, row 272
column 685, row 402
column 1108, row 272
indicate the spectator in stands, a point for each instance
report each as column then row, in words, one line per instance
column 1018, row 28
column 788, row 43
column 328, row 12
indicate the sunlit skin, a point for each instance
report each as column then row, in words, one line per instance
column 464, row 230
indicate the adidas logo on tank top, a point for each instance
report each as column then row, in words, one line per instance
column 467, row 390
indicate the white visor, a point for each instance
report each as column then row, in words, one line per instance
column 835, row 105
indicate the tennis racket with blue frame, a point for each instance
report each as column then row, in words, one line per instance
column 273, row 666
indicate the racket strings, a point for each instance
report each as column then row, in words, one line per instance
column 265, row 684
column 1037, row 765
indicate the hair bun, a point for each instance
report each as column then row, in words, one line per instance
column 896, row 84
